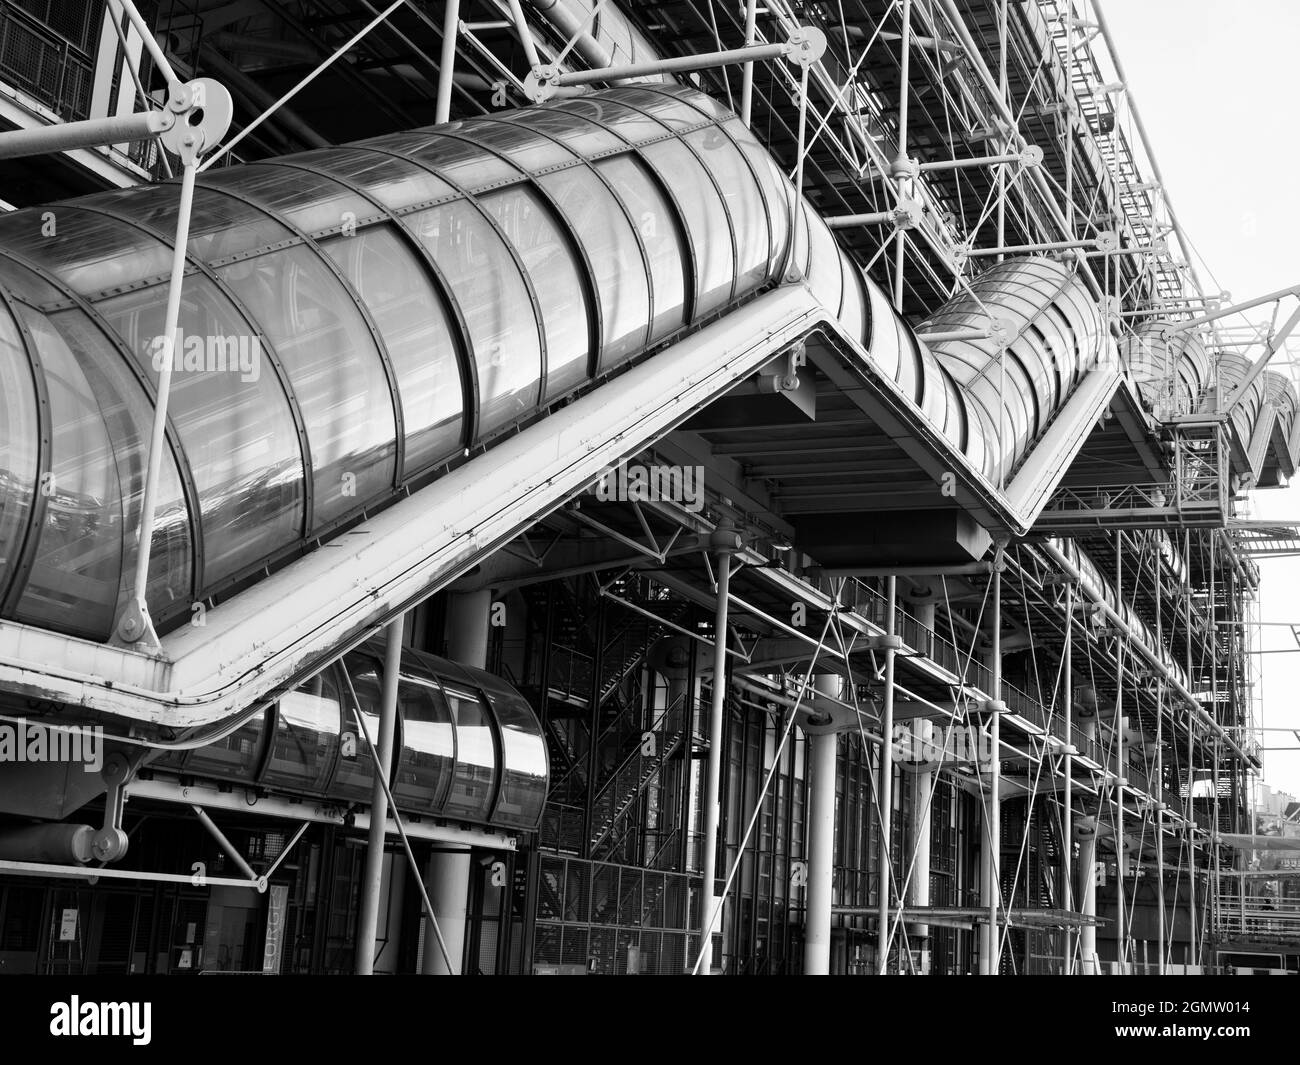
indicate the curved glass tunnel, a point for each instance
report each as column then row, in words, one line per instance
column 467, row 746
column 355, row 319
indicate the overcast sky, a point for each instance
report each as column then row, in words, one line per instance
column 1215, row 84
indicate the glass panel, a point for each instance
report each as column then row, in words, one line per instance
column 631, row 125
column 306, row 200
column 417, row 331
column 824, row 276
column 19, row 440
column 525, row 766
column 585, row 138
column 853, row 310
column 393, row 182
column 428, row 756
column 306, row 736
column 748, row 212
column 168, row 586
column 27, row 284
column 235, row 424
column 672, row 112
column 334, row 370
column 561, row 290
column 476, row 754
column 235, row 757
column 656, row 221
column 702, row 102
column 527, row 148
column 220, row 225
column 355, row 776
column 498, row 312
column 463, row 163
column 777, row 189
column 706, row 221
column 615, row 255
column 88, row 252
column 101, row 424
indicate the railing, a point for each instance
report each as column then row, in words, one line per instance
column 1256, row 906
column 44, row 65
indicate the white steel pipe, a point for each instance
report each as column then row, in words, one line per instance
column 447, row 61
column 886, row 787
column 372, row 876
column 723, row 543
column 821, row 839
column 678, row 65
column 91, row 133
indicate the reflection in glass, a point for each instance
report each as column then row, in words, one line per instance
column 87, row 251
column 234, row 423
column 19, row 436
column 306, row 200
column 561, row 291
column 101, row 423
column 427, row 762
column 706, row 221
column 460, row 162
column 393, row 182
column 495, row 304
column 220, row 225
column 236, row 756
column 748, row 212
column 334, row 370
column 417, row 331
column 582, row 136
column 528, row 149
column 476, row 754
column 615, row 258
column 306, row 736
column 525, row 760
column 656, row 221
column 355, row 776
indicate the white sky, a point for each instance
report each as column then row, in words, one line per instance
column 1215, row 85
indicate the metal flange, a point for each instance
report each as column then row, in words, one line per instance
column 805, row 46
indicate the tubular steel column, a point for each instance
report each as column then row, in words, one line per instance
column 821, row 839
column 1189, row 810
column 447, row 61
column 1122, row 927
column 1160, row 772
column 1067, row 830
column 918, row 888
column 886, row 788
column 373, row 876
column 1088, row 897
column 993, row 834
column 448, row 872
column 723, row 544
column 747, row 72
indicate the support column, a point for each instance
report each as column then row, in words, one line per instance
column 372, row 878
column 447, row 875
column 918, row 888
column 723, row 544
column 447, row 61
column 886, row 788
column 1067, row 806
column 993, row 808
column 821, row 839
column 1087, row 837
